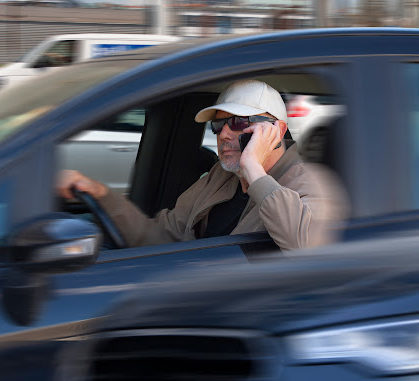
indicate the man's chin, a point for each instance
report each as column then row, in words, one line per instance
column 230, row 167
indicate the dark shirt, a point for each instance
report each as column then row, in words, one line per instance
column 224, row 217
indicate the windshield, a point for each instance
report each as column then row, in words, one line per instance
column 30, row 55
column 24, row 103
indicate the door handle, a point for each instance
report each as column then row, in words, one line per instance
column 122, row 148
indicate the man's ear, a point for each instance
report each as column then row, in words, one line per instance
column 283, row 128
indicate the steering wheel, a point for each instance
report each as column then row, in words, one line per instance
column 108, row 226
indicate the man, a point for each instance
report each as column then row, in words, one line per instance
column 264, row 188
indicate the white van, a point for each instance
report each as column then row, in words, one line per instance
column 70, row 48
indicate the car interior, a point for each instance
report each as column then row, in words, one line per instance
column 171, row 157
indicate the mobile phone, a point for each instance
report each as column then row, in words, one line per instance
column 243, row 140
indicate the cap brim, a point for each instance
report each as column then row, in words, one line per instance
column 208, row 113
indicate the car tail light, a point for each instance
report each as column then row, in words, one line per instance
column 297, row 111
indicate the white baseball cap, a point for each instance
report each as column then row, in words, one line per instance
column 246, row 98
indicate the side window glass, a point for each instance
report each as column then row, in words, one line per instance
column 107, row 151
column 60, row 54
column 210, row 139
column 132, row 120
column 208, row 154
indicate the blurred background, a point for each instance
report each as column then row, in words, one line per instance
column 25, row 23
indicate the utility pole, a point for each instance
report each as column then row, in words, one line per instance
column 412, row 12
column 373, row 12
column 161, row 17
column 321, row 12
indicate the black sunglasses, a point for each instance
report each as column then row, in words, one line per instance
column 238, row 123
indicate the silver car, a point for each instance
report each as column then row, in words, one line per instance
column 108, row 152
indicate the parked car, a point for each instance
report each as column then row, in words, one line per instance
column 231, row 307
column 108, row 151
column 66, row 49
column 306, row 112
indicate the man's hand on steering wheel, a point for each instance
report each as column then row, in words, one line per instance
column 70, row 179
column 73, row 184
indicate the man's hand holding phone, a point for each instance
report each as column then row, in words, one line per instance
column 264, row 138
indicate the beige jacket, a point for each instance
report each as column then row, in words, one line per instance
column 296, row 203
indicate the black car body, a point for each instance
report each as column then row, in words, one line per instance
column 207, row 309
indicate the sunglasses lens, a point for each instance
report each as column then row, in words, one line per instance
column 236, row 123
column 239, row 123
column 217, row 125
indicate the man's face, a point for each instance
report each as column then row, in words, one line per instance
column 228, row 145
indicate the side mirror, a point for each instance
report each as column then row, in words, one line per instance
column 50, row 244
column 54, row 243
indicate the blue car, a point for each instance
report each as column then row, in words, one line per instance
column 232, row 307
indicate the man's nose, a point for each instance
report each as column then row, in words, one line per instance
column 226, row 132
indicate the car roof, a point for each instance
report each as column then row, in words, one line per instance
column 196, row 45
column 119, row 36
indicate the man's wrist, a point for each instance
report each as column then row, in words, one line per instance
column 102, row 190
column 252, row 172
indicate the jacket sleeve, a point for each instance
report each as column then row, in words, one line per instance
column 303, row 215
column 167, row 226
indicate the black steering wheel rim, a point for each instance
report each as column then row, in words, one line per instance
column 108, row 226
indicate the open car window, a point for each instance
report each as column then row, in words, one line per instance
column 176, row 151
column 132, row 120
column 107, row 150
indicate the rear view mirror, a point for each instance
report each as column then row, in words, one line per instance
column 50, row 244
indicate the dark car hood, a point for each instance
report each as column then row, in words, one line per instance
column 340, row 283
